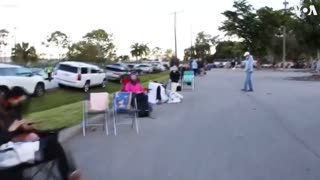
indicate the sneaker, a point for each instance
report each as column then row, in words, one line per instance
column 75, row 175
column 251, row 90
column 244, row 90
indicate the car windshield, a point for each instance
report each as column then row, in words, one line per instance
column 8, row 71
column 23, row 72
column 68, row 68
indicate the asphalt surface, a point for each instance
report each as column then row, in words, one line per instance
column 216, row 133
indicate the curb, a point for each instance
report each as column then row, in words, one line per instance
column 68, row 133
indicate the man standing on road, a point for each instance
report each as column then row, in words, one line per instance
column 194, row 66
column 248, row 70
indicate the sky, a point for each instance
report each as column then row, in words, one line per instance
column 130, row 21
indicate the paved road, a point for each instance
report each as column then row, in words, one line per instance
column 217, row 133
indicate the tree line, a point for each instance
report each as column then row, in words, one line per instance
column 260, row 31
column 96, row 46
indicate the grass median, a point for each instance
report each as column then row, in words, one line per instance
column 63, row 107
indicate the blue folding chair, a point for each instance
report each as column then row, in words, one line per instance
column 122, row 104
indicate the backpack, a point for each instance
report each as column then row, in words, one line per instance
column 143, row 105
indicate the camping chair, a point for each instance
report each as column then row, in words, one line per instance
column 121, row 104
column 95, row 104
column 188, row 78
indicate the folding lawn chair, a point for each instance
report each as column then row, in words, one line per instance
column 121, row 104
column 95, row 104
column 188, row 78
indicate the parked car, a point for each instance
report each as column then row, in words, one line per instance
column 131, row 66
column 145, row 68
column 166, row 66
column 219, row 64
column 158, row 67
column 115, row 72
column 13, row 75
column 121, row 65
column 80, row 75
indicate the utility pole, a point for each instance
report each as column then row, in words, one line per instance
column 191, row 36
column 285, row 3
column 175, row 33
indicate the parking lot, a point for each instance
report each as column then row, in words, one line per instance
column 217, row 132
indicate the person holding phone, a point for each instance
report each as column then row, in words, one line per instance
column 15, row 131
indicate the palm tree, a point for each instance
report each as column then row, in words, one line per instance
column 24, row 54
column 3, row 41
column 136, row 51
column 139, row 50
column 145, row 49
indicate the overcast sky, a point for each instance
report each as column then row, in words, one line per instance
column 130, row 21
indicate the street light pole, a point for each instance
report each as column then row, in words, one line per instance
column 191, row 36
column 15, row 36
column 285, row 3
column 175, row 34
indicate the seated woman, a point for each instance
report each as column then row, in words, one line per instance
column 27, row 140
column 125, row 79
column 133, row 86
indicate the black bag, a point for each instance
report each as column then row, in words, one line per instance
column 179, row 88
column 143, row 105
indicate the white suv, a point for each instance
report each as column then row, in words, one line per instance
column 79, row 75
column 13, row 75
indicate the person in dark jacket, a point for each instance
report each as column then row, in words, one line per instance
column 14, row 129
column 174, row 74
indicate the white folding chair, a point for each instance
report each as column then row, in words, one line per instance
column 95, row 104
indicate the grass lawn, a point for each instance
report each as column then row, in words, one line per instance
column 65, row 110
column 64, row 96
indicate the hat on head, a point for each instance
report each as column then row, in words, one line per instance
column 16, row 92
column 246, row 54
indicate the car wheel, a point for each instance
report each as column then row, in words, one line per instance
column 86, row 87
column 39, row 90
column 104, row 83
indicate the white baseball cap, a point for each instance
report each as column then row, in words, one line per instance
column 246, row 54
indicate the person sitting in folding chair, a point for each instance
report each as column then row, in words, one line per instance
column 124, row 81
column 133, row 86
column 22, row 146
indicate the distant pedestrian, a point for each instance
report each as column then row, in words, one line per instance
column 194, row 66
column 49, row 73
column 248, row 70
column 233, row 64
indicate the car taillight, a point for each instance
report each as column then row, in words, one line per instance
column 79, row 77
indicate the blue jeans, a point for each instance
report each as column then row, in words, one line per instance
column 248, row 82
